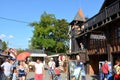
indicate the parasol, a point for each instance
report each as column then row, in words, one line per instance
column 23, row 55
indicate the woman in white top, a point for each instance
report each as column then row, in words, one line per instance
column 39, row 69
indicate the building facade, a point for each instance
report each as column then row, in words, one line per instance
column 100, row 35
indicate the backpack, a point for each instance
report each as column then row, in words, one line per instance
column 57, row 71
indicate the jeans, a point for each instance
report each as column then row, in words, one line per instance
column 57, row 77
column 1, row 75
column 105, row 76
column 6, row 77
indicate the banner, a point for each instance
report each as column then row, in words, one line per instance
column 76, row 70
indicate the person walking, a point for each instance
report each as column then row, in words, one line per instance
column 105, row 70
column 7, row 69
column 21, row 71
column 57, row 69
column 100, row 72
column 116, row 70
column 15, row 74
column 26, row 68
column 57, row 72
column 51, row 67
column 39, row 70
column 12, row 61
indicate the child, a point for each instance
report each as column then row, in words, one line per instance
column 14, row 74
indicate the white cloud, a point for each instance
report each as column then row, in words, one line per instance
column 2, row 36
column 10, row 36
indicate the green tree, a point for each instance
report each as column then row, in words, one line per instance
column 4, row 45
column 60, row 35
column 20, row 51
column 49, row 33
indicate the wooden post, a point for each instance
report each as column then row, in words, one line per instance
column 107, row 34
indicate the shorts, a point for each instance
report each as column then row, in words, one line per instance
column 21, row 75
column 50, row 72
column 38, row 76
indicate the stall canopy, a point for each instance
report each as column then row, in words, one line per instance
column 55, row 55
column 38, row 55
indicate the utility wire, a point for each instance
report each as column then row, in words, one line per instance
column 14, row 20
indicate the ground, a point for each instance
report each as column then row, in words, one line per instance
column 63, row 76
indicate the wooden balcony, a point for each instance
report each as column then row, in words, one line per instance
column 106, row 15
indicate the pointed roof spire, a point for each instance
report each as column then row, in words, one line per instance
column 79, row 16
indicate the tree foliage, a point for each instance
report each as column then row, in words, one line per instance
column 4, row 45
column 20, row 51
column 60, row 36
column 49, row 33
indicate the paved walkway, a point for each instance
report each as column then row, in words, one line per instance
column 92, row 77
column 63, row 76
column 46, row 77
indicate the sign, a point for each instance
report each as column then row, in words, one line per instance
column 97, row 36
column 76, row 70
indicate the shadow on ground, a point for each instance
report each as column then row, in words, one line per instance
column 31, row 79
column 95, row 77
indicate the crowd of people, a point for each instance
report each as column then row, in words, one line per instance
column 12, row 69
column 53, row 68
column 109, row 73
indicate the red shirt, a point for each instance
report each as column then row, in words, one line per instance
column 105, row 68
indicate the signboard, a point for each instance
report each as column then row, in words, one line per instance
column 97, row 36
column 76, row 70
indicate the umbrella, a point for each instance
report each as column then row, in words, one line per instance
column 23, row 55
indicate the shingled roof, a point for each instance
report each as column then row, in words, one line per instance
column 78, row 17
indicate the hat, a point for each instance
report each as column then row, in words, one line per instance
column 13, row 59
column 51, row 58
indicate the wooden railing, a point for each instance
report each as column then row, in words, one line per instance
column 99, row 51
column 113, row 49
column 102, row 15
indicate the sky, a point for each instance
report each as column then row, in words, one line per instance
column 15, row 16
